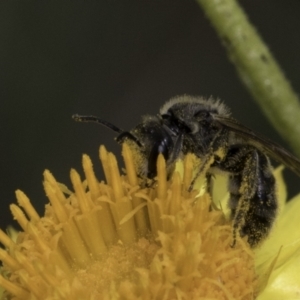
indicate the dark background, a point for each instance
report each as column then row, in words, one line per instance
column 118, row 60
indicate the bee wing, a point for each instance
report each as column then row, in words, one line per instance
column 263, row 144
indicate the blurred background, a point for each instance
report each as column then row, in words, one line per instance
column 119, row 60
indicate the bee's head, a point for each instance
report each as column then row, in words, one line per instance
column 147, row 140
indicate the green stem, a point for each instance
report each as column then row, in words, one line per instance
column 257, row 67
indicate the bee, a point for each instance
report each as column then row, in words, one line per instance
column 204, row 127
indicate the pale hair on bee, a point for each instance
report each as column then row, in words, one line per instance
column 204, row 127
column 211, row 104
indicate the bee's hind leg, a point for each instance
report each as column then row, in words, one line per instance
column 253, row 200
column 263, row 206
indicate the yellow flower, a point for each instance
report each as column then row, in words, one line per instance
column 118, row 240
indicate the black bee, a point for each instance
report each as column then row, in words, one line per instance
column 205, row 128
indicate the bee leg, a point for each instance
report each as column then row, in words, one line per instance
column 205, row 164
column 242, row 190
column 214, row 155
column 174, row 155
column 209, row 183
column 263, row 206
column 209, row 188
column 176, row 149
column 253, row 199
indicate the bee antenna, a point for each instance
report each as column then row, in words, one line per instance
column 79, row 118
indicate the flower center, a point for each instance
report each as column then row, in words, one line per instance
column 118, row 240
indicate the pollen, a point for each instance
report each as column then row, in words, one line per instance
column 120, row 240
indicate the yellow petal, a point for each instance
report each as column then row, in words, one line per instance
column 281, row 187
column 284, row 282
column 285, row 235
